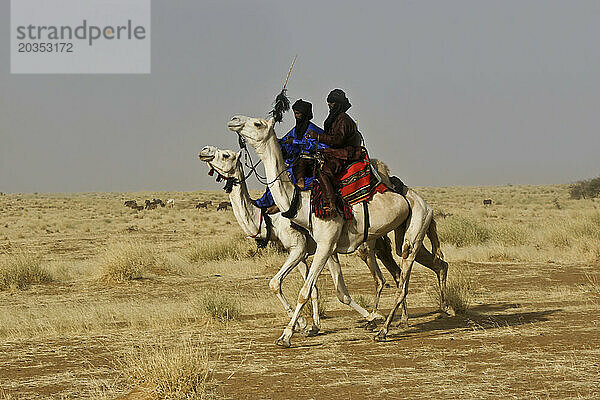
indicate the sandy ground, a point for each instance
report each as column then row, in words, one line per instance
column 532, row 331
column 533, row 337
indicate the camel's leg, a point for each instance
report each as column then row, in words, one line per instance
column 423, row 257
column 413, row 239
column 324, row 250
column 440, row 267
column 399, row 235
column 296, row 255
column 342, row 291
column 383, row 251
column 314, row 297
column 438, row 260
column 400, row 296
column 367, row 252
column 436, row 263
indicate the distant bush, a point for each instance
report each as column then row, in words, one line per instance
column 217, row 250
column 463, row 231
column 131, row 260
column 510, row 234
column 586, row 189
column 21, row 270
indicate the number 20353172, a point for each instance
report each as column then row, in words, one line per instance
column 45, row 47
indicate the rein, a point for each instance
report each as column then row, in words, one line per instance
column 259, row 224
column 260, row 242
column 248, row 157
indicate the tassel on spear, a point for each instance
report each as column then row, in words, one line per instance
column 280, row 106
column 282, row 103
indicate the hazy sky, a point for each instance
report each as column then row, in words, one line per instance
column 446, row 92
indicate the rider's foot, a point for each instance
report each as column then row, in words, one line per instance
column 273, row 209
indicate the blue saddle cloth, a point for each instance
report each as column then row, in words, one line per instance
column 267, row 201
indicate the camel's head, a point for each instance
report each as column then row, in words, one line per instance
column 255, row 130
column 225, row 162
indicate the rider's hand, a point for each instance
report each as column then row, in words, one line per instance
column 311, row 135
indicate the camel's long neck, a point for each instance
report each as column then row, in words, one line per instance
column 281, row 187
column 246, row 213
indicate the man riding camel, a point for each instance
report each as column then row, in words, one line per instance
column 343, row 140
column 294, row 145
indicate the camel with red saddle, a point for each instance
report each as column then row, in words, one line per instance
column 257, row 225
column 388, row 211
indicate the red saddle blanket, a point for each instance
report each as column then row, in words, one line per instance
column 356, row 184
column 359, row 183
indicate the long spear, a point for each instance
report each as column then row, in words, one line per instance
column 282, row 103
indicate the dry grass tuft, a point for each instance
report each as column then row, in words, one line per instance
column 463, row 231
column 6, row 396
column 19, row 271
column 593, row 283
column 322, row 302
column 220, row 306
column 510, row 234
column 234, row 248
column 459, row 289
column 180, row 372
column 131, row 260
column 363, row 301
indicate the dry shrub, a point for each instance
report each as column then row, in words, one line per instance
column 6, row 396
column 220, row 306
column 19, row 271
column 363, row 301
column 130, row 260
column 588, row 228
column 593, row 283
column 460, row 288
column 322, row 302
column 510, row 234
column 463, row 231
column 234, row 248
column 181, row 372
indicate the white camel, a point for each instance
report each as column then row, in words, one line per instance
column 388, row 211
column 299, row 245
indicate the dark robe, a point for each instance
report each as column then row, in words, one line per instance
column 344, row 142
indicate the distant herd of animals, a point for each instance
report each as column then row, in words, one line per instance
column 170, row 203
column 221, row 206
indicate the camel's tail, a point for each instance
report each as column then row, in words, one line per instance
column 435, row 242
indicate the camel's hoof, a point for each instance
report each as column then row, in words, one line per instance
column 301, row 324
column 402, row 324
column 313, row 331
column 371, row 325
column 283, row 342
column 374, row 316
column 449, row 311
column 380, row 337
